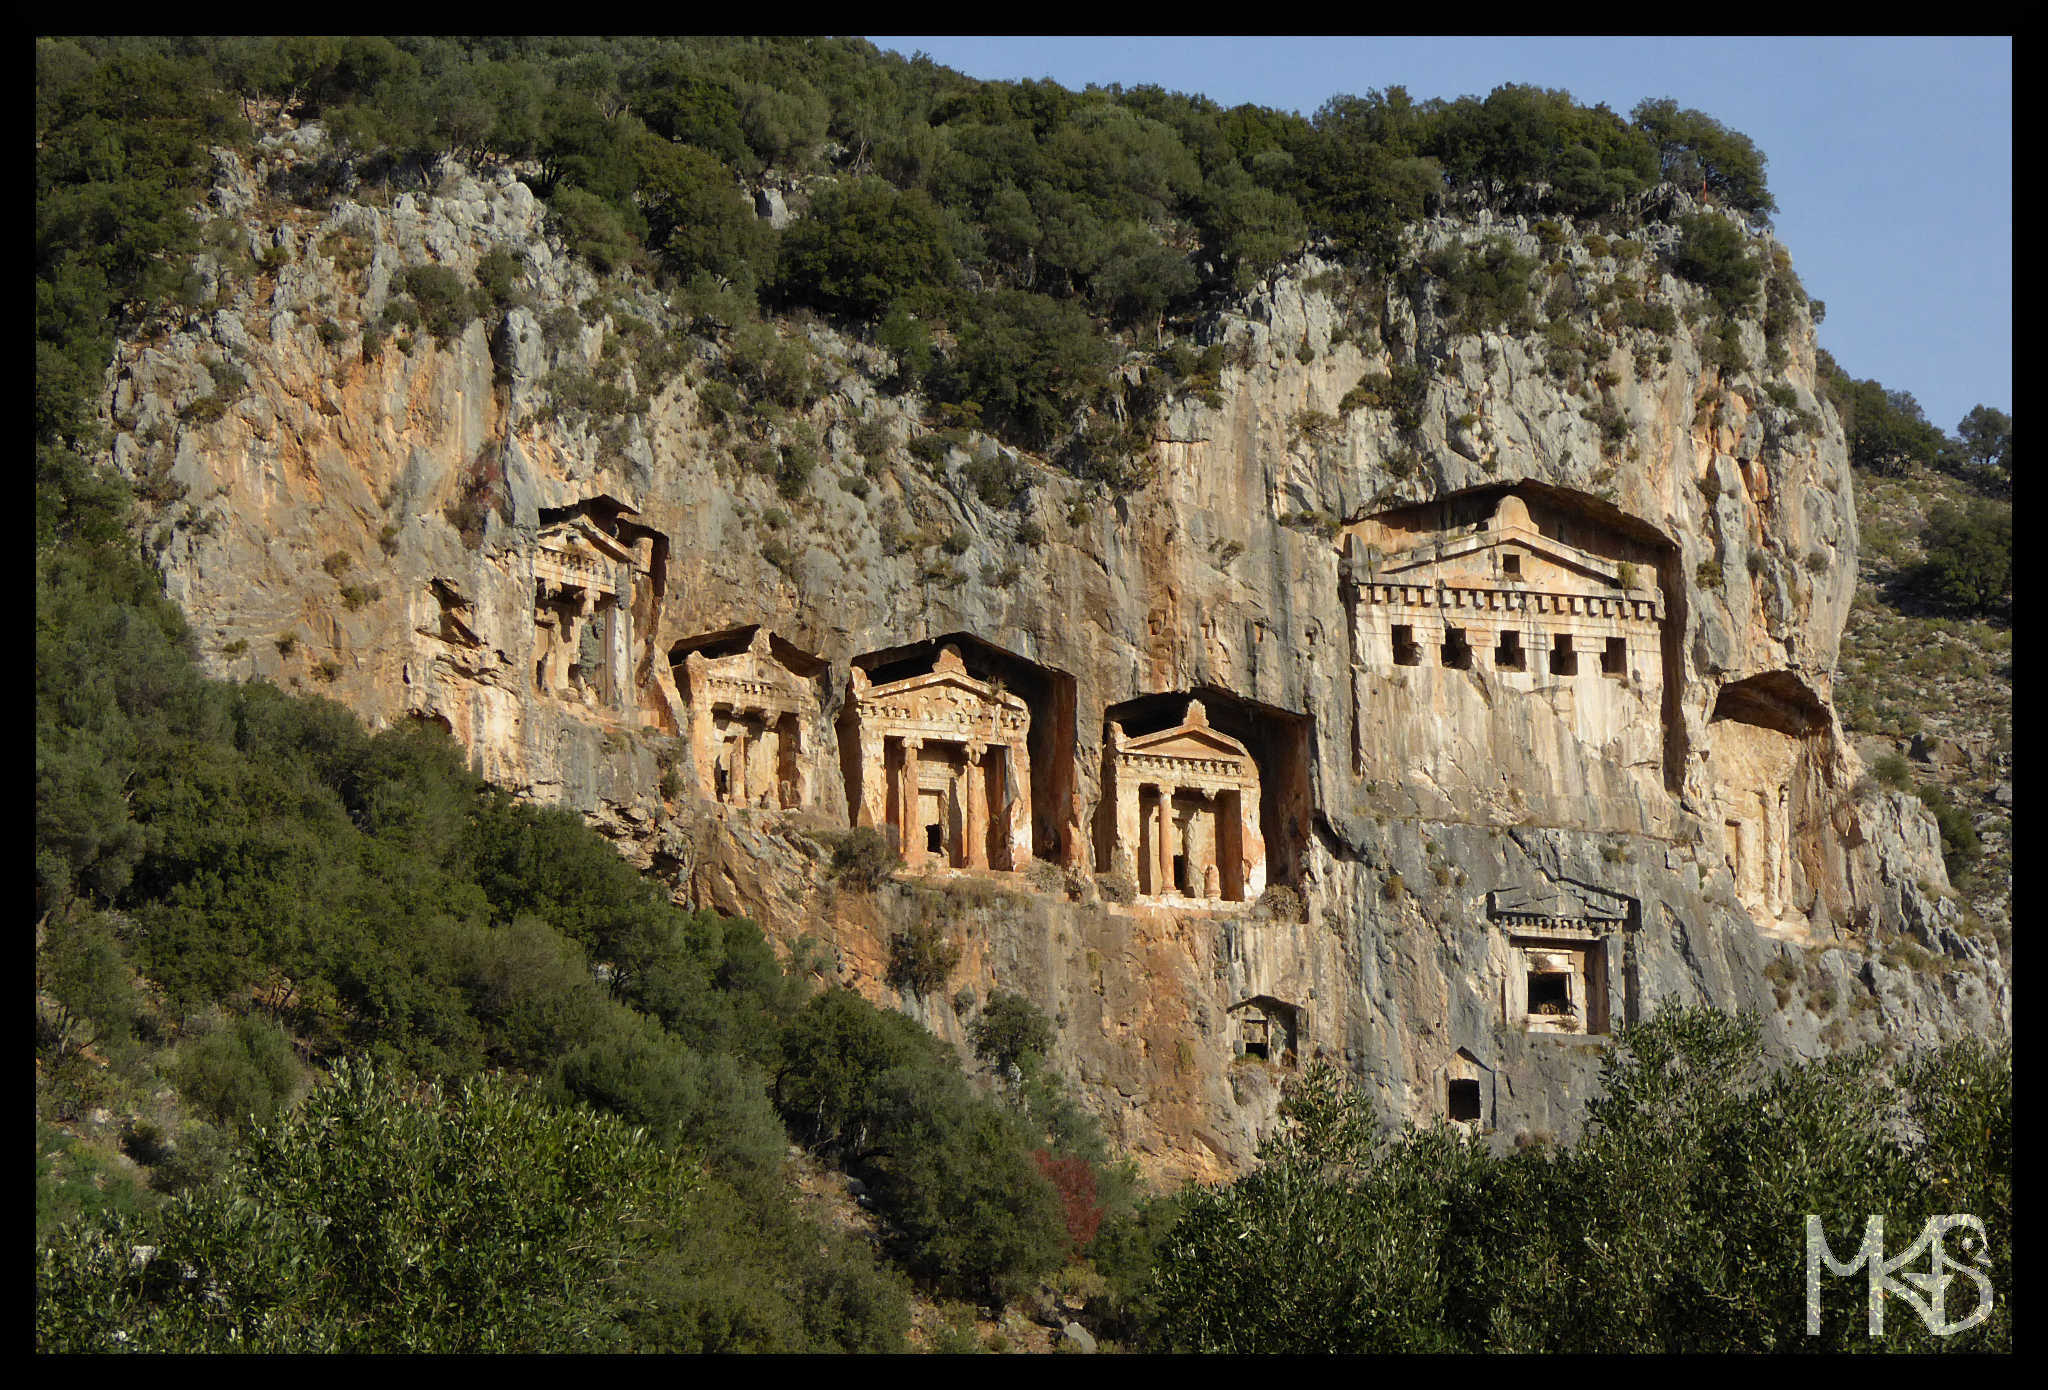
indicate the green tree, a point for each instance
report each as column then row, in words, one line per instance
column 80, row 967
column 1887, row 431
column 1032, row 363
column 1676, row 1223
column 1712, row 252
column 1307, row 1253
column 1969, row 557
column 1987, row 438
column 1701, row 155
column 1011, row 1031
column 832, row 1053
column 864, row 246
column 698, row 219
column 954, row 1172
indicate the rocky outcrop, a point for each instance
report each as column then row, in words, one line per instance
column 365, row 524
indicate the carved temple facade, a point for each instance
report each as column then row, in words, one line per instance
column 592, row 573
column 1269, row 1029
column 1187, row 812
column 944, row 767
column 754, row 720
column 1509, row 655
column 1557, row 977
column 1507, row 597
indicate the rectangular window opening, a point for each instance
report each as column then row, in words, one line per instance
column 1614, row 661
column 1563, row 660
column 1508, row 656
column 1457, row 655
column 1407, row 651
column 1511, row 565
column 934, row 839
column 1550, row 993
column 1463, row 1101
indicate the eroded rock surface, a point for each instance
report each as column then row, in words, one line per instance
column 609, row 612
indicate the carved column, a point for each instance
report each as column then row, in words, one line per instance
column 1162, row 846
column 736, row 780
column 1124, row 850
column 799, row 788
column 1017, row 801
column 1201, row 850
column 874, row 786
column 698, row 677
column 976, row 828
column 618, row 653
column 1252, row 844
column 912, row 832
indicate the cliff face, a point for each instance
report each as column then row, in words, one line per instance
column 1497, row 846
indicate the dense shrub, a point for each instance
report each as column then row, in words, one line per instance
column 1485, row 286
column 1030, row 363
column 1712, row 252
column 1969, row 557
column 921, row 958
column 472, row 1221
column 445, row 300
column 863, row 858
column 1960, row 847
column 771, row 369
column 951, row 1168
column 241, row 1072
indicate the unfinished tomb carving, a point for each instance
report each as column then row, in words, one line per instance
column 1764, row 752
column 944, row 766
column 597, row 579
column 1557, row 975
column 1502, row 593
column 1555, row 597
column 755, row 718
column 1187, row 812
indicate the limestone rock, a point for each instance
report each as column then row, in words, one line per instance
column 446, row 534
column 1940, row 752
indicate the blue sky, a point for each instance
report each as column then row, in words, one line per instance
column 1891, row 159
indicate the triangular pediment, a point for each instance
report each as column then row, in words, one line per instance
column 755, row 666
column 578, row 536
column 1460, row 553
column 979, row 691
column 1187, row 741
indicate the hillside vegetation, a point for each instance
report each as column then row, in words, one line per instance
column 340, row 1048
